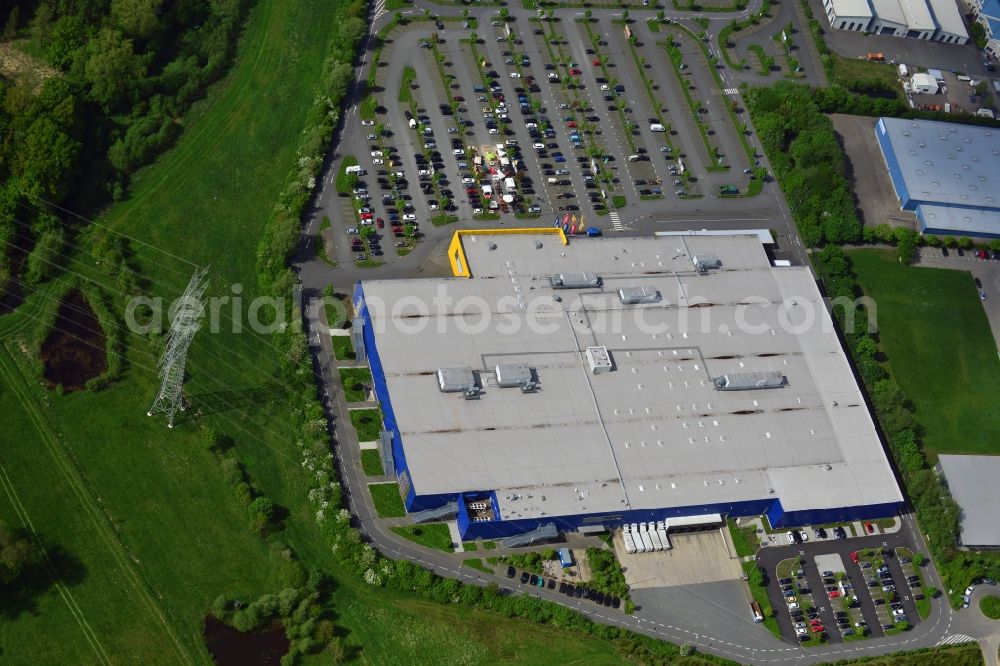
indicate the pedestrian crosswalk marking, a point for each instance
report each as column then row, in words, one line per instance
column 616, row 221
column 732, row 91
column 956, row 638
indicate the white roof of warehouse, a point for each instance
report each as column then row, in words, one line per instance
column 651, row 433
column 851, row 8
column 946, row 163
column 972, row 481
column 949, row 19
column 889, row 10
column 918, row 14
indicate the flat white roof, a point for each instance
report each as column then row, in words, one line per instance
column 918, row 15
column 653, row 432
column 972, row 481
column 851, row 8
column 949, row 19
column 889, row 10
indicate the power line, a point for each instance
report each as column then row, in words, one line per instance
column 186, row 323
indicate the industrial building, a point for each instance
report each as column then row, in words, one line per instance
column 972, row 481
column 933, row 20
column 988, row 16
column 946, row 173
column 558, row 384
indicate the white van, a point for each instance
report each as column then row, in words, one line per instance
column 657, row 127
column 355, row 169
column 633, row 158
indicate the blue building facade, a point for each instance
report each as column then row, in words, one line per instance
column 496, row 528
column 945, row 173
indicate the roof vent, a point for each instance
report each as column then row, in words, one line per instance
column 643, row 294
column 510, row 375
column 745, row 381
column 575, row 280
column 456, row 380
column 703, row 262
column 599, row 359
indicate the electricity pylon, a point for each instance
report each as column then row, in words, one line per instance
column 185, row 324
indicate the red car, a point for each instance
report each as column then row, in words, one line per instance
column 571, row 123
column 458, row 98
column 854, row 557
column 982, row 254
column 816, row 628
column 596, row 62
column 575, row 72
column 379, row 222
column 869, row 527
column 834, row 594
column 366, row 216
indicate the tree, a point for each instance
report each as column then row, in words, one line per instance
column 10, row 28
column 41, row 23
column 138, row 18
column 588, row 14
column 625, row 16
column 409, row 230
column 16, row 554
column 112, row 69
column 756, row 577
column 45, row 157
column 965, row 242
column 661, row 16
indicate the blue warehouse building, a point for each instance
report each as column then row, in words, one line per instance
column 946, row 173
column 579, row 384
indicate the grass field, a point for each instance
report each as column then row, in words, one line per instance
column 343, row 350
column 744, row 539
column 166, row 535
column 356, row 382
column 435, row 535
column 368, row 423
column 387, row 501
column 371, row 462
column 477, row 563
column 934, row 330
column 851, row 70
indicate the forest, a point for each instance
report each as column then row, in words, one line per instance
column 95, row 90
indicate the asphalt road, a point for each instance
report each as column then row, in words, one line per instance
column 768, row 210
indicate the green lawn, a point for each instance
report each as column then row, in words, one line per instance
column 343, row 350
column 166, row 535
column 405, row 94
column 477, row 563
column 368, row 423
column 356, row 382
column 371, row 462
column 934, row 330
column 435, row 535
column 847, row 71
column 387, row 500
column 744, row 539
column 990, row 606
column 759, row 595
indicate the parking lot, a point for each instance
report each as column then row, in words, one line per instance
column 834, row 590
column 533, row 122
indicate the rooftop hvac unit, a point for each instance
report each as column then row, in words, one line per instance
column 510, row 375
column 704, row 262
column 635, row 295
column 455, row 380
column 575, row 280
column 746, row 381
column 599, row 359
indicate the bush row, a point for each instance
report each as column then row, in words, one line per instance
column 282, row 229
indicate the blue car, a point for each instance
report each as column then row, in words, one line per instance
column 593, row 231
column 559, row 158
